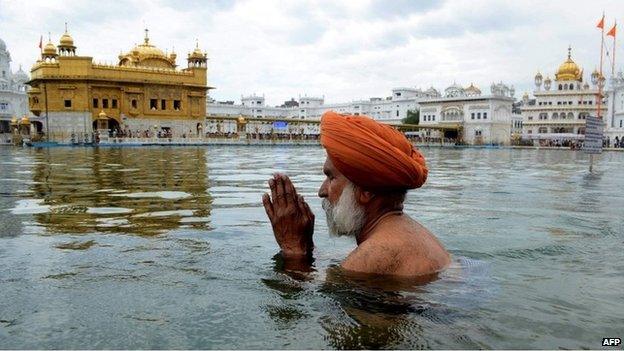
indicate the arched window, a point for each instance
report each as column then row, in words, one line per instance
column 555, row 115
column 542, row 130
column 570, row 115
column 560, row 87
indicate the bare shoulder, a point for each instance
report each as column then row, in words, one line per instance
column 400, row 246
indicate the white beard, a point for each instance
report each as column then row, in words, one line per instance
column 347, row 217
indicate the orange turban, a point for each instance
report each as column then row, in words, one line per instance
column 370, row 154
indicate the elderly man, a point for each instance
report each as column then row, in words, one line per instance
column 369, row 168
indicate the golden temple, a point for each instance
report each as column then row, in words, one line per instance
column 145, row 90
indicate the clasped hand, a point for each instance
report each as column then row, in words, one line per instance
column 290, row 216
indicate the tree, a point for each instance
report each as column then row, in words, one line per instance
column 413, row 117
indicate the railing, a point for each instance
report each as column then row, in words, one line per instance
column 109, row 141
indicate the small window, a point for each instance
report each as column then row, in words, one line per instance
column 67, row 103
column 95, row 103
column 134, row 103
column 484, row 115
column 163, row 104
column 472, row 116
column 397, row 113
column 176, row 105
column 153, row 104
column 478, row 115
column 114, row 103
column 104, row 103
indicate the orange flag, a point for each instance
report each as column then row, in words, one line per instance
column 601, row 23
column 612, row 31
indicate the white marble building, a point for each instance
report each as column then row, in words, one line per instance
column 614, row 116
column 13, row 98
column 560, row 107
column 483, row 119
column 391, row 109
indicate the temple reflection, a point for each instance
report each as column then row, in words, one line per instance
column 147, row 191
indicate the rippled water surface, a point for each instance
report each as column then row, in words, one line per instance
column 170, row 248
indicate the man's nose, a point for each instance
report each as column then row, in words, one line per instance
column 323, row 190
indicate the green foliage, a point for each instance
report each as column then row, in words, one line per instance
column 413, row 117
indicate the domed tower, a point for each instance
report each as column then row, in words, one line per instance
column 66, row 47
column 49, row 51
column 569, row 70
column 5, row 61
column 197, row 59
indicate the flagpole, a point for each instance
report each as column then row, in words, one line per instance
column 613, row 61
column 599, row 97
column 613, row 76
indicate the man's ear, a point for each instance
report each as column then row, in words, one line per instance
column 364, row 197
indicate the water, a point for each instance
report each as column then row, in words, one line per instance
column 170, row 248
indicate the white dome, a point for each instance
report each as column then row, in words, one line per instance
column 2, row 45
column 21, row 76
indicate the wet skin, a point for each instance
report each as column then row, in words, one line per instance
column 390, row 243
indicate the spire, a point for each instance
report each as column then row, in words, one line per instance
column 569, row 52
column 65, row 27
column 146, row 40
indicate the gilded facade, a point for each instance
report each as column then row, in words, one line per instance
column 144, row 91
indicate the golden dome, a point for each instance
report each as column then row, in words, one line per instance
column 569, row 70
column 102, row 115
column 241, row 120
column 197, row 53
column 147, row 55
column 14, row 121
column 25, row 120
column 49, row 49
column 67, row 40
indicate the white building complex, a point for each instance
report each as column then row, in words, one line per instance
column 391, row 109
column 13, row 98
column 560, row 107
column 491, row 122
column 482, row 119
column 614, row 117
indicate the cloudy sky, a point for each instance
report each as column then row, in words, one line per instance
column 343, row 50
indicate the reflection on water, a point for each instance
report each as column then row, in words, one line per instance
column 114, row 191
column 170, row 248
